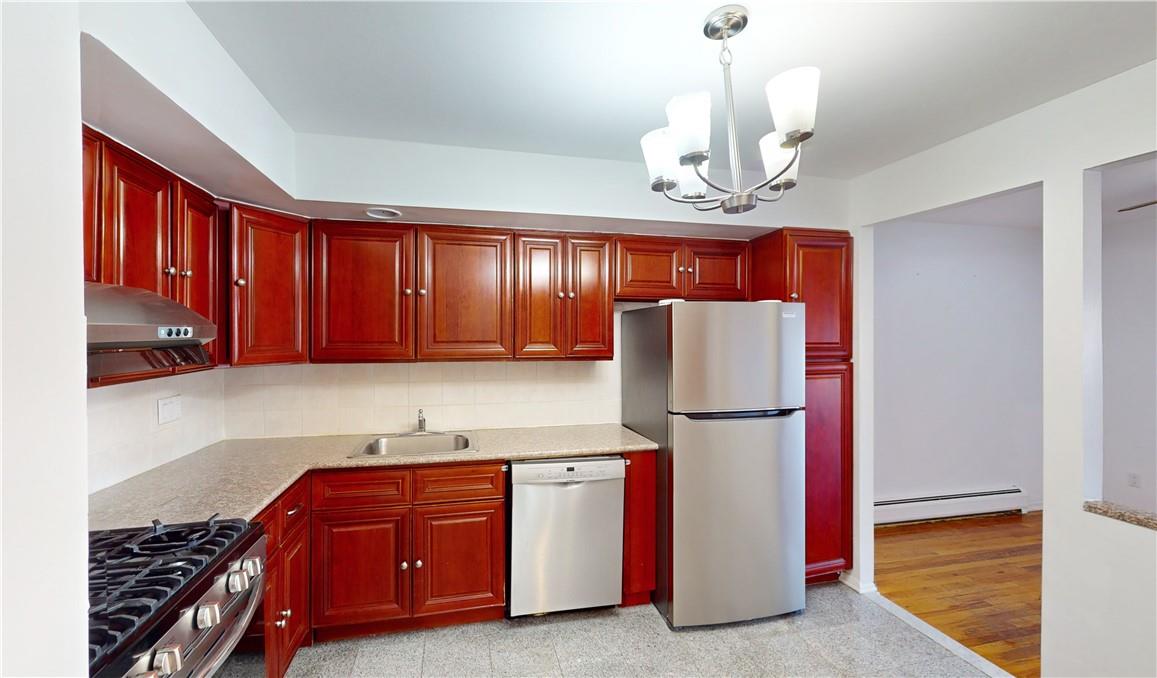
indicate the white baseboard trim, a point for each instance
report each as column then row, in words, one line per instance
column 949, row 505
column 953, row 646
column 852, row 580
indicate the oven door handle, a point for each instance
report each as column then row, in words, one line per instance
column 225, row 644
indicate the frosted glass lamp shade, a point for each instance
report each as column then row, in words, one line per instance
column 690, row 185
column 660, row 158
column 775, row 158
column 689, row 124
column 792, row 96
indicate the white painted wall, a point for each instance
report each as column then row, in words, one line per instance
column 125, row 438
column 1099, row 593
column 44, row 574
column 958, row 359
column 1129, row 317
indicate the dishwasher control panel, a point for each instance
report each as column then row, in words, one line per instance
column 568, row 470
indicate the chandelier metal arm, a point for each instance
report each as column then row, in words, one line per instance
column 688, row 201
column 712, row 184
column 794, row 159
column 775, row 199
column 708, row 209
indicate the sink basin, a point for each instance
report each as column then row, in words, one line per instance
column 413, row 443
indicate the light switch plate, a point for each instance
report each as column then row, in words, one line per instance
column 168, row 409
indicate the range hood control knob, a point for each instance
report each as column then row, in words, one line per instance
column 167, row 660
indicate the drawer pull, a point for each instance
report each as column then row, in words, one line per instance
column 294, row 510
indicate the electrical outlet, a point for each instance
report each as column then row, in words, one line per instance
column 1134, row 480
column 168, row 409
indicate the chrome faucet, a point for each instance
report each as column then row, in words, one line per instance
column 421, row 422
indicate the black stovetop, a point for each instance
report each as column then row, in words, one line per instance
column 135, row 574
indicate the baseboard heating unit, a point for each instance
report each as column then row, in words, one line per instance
column 949, row 505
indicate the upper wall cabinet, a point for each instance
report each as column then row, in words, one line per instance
column 135, row 244
column 90, row 154
column 564, row 305
column 649, row 269
column 363, row 292
column 812, row 266
column 196, row 246
column 465, row 293
column 270, row 298
column 715, row 269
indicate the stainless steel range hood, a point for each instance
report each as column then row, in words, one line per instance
column 132, row 330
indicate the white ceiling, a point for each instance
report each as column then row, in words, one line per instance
column 588, row 79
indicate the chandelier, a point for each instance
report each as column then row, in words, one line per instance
column 677, row 155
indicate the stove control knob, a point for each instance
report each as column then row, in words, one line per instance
column 237, row 581
column 208, row 615
column 252, row 566
column 167, row 660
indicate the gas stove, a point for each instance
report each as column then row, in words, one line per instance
column 171, row 600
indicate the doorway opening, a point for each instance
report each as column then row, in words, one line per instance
column 958, row 305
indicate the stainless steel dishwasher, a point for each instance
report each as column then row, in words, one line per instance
column 566, row 534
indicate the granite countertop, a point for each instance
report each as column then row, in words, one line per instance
column 1123, row 513
column 238, row 478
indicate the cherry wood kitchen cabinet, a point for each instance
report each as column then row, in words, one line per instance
column 564, row 303
column 196, row 247
column 812, row 266
column 361, row 568
column 135, row 237
column 639, row 515
column 270, row 310
column 90, row 154
column 715, row 270
column 363, row 292
column 465, row 293
column 648, row 269
column 828, row 469
column 459, row 557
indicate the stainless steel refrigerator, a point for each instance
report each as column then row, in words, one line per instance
column 720, row 387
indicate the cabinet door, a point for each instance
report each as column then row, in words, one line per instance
column 819, row 273
column 361, row 569
column 539, row 311
column 466, row 293
column 90, row 154
column 716, row 269
column 294, row 610
column 459, row 557
column 639, row 515
column 196, row 249
column 269, row 292
column 135, row 230
column 648, row 268
column 271, row 605
column 828, row 468
column 363, row 296
column 590, row 312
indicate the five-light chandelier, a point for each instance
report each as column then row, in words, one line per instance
column 677, row 155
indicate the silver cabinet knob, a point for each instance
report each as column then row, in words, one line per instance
column 418, row 564
column 240, row 282
column 208, row 615
column 681, row 269
column 169, row 270
column 421, row 292
column 287, row 613
column 237, row 581
column 167, row 660
column 252, row 566
column 795, row 295
column 407, row 291
column 690, row 270
column 187, row 273
column 280, row 623
column 405, row 565
column 561, row 295
column 570, row 294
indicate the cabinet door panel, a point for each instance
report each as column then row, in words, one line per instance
column 272, row 603
column 639, row 516
column 295, row 595
column 90, row 154
column 361, row 308
column 462, row 551
column 135, row 238
column 357, row 566
column 269, row 309
column 819, row 271
column 828, row 469
column 196, row 231
column 539, row 330
column 466, row 293
column 716, row 269
column 591, row 313
column 648, row 268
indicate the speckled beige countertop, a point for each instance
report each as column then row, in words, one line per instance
column 238, row 478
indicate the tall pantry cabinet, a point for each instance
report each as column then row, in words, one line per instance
column 814, row 266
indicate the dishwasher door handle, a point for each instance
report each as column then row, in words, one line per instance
column 566, row 482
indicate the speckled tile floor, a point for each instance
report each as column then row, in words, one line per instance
column 839, row 634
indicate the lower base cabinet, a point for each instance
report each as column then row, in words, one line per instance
column 361, row 570
column 828, row 470
column 459, row 557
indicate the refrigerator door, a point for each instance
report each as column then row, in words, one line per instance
column 736, row 356
column 737, row 527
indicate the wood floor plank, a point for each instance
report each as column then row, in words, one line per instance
column 975, row 579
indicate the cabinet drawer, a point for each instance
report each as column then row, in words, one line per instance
column 268, row 520
column 293, row 507
column 361, row 488
column 453, row 483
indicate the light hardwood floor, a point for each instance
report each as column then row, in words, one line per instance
column 975, row 579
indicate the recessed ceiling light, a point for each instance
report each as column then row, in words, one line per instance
column 383, row 213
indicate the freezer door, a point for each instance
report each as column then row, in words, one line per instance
column 737, row 524
column 736, row 356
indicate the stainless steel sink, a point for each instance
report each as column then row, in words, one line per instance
column 401, row 444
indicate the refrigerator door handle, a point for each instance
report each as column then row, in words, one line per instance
column 745, row 414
